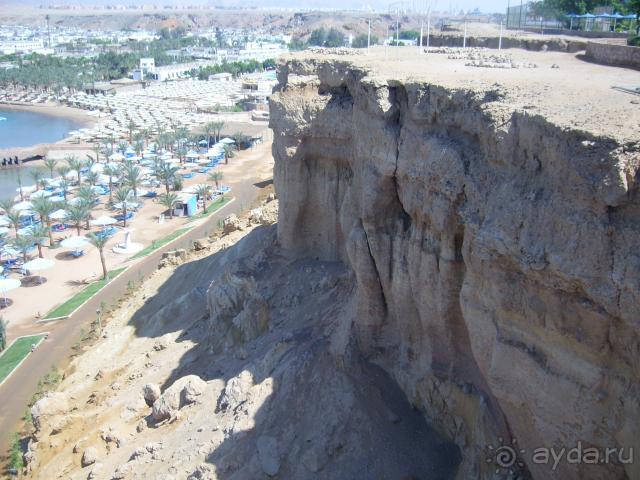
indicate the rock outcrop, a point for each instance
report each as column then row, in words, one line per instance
column 494, row 254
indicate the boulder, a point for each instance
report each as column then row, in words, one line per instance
column 151, row 392
column 200, row 244
column 235, row 392
column 231, row 223
column 46, row 409
column 89, row 457
column 184, row 391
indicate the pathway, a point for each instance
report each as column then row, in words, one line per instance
column 18, row 389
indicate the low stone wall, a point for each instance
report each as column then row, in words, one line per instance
column 552, row 43
column 618, row 55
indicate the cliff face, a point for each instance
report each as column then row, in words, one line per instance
column 494, row 252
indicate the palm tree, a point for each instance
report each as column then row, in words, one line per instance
column 167, row 174
column 228, row 153
column 86, row 194
column 138, row 146
column 14, row 217
column 182, row 154
column 169, row 200
column 216, row 177
column 96, row 151
column 63, row 170
column 23, row 243
column 122, row 196
column 40, row 233
column 111, row 173
column 100, row 243
column 203, row 192
column 131, row 126
column 64, row 185
column 240, row 139
column 6, row 205
column 76, row 214
column 133, row 176
column 76, row 164
column 217, row 128
column 50, row 163
column 19, row 179
column 91, row 178
column 209, row 128
column 122, row 147
column 36, row 174
column 146, row 135
column 44, row 208
column 3, row 333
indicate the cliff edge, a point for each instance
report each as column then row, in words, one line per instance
column 490, row 219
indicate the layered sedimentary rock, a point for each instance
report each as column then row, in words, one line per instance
column 493, row 247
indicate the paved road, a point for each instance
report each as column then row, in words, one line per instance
column 20, row 387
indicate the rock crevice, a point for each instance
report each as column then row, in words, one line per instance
column 492, row 250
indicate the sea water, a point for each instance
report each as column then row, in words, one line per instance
column 24, row 129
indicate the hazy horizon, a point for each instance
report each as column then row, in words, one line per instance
column 486, row 6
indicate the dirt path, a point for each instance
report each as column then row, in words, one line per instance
column 18, row 389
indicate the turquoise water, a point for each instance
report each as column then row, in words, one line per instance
column 23, row 129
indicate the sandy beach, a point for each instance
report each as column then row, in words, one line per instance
column 70, row 275
column 55, row 110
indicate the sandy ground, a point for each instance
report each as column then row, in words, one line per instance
column 564, row 88
column 53, row 110
column 69, row 274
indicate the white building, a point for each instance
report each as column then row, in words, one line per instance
column 221, row 77
column 259, row 51
column 11, row 46
column 149, row 71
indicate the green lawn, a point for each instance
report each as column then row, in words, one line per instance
column 156, row 244
column 13, row 355
column 212, row 208
column 79, row 298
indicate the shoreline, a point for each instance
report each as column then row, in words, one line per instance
column 53, row 110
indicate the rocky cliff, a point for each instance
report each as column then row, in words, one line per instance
column 492, row 237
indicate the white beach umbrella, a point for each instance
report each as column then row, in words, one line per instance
column 97, row 167
column 119, row 206
column 59, row 214
column 38, row 265
column 4, row 222
column 56, row 199
column 74, row 242
column 4, row 231
column 40, row 194
column 116, row 156
column 25, row 205
column 103, row 221
column 25, row 231
column 6, row 285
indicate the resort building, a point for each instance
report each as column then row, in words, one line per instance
column 11, row 46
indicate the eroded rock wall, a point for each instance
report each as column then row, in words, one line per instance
column 495, row 255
